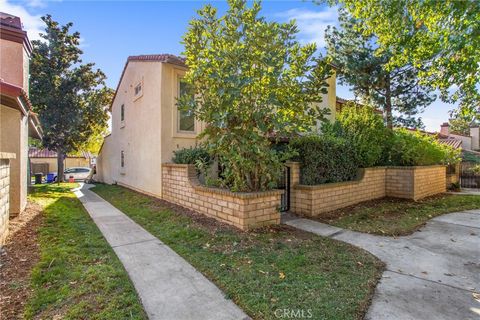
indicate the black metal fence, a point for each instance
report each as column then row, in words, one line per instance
column 284, row 184
column 470, row 175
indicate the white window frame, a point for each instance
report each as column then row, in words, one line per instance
column 122, row 121
column 195, row 124
column 138, row 95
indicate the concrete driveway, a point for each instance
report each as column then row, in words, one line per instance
column 431, row 274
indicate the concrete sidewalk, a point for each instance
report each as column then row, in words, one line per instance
column 432, row 274
column 168, row 286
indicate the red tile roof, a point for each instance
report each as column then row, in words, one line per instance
column 14, row 91
column 45, row 153
column 164, row 57
column 452, row 142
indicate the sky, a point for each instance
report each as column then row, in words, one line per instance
column 112, row 30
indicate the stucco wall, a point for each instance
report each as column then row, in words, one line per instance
column 11, row 60
column 104, row 163
column 148, row 134
column 14, row 139
column 466, row 141
column 243, row 210
column 139, row 134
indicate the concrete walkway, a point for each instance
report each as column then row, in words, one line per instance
column 431, row 274
column 168, row 286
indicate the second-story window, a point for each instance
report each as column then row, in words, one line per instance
column 186, row 119
column 138, row 90
column 122, row 112
column 122, row 159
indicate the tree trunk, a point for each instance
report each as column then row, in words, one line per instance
column 388, row 104
column 60, row 168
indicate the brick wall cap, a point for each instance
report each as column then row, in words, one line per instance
column 7, row 155
column 417, row 167
column 358, row 179
column 176, row 165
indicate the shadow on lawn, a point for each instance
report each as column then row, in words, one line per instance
column 78, row 275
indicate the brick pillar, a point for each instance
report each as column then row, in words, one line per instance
column 294, row 181
column 4, row 197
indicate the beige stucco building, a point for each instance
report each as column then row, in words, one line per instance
column 17, row 121
column 147, row 126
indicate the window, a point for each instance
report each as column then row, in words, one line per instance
column 122, row 159
column 122, row 112
column 186, row 119
column 138, row 89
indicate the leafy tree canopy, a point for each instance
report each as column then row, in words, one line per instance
column 440, row 38
column 397, row 90
column 70, row 97
column 250, row 80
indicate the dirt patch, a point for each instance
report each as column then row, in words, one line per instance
column 17, row 258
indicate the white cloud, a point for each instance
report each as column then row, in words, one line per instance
column 312, row 24
column 31, row 23
column 36, row 3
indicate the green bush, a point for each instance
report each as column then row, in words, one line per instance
column 324, row 159
column 413, row 148
column 364, row 131
column 191, row 156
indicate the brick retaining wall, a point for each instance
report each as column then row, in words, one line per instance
column 4, row 194
column 373, row 183
column 416, row 182
column 243, row 210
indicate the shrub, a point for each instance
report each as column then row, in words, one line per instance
column 364, row 131
column 413, row 148
column 191, row 156
column 247, row 79
column 324, row 159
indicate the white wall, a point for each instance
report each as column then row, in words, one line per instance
column 466, row 141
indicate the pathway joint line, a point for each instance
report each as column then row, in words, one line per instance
column 333, row 235
column 137, row 242
column 431, row 281
column 456, row 224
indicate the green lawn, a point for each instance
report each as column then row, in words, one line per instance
column 265, row 270
column 78, row 275
column 394, row 217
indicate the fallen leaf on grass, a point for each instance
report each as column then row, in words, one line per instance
column 281, row 275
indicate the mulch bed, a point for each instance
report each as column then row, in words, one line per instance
column 17, row 259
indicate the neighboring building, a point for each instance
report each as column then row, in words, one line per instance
column 467, row 143
column 17, row 121
column 147, row 126
column 45, row 161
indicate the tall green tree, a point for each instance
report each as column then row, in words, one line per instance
column 442, row 38
column 460, row 122
column 70, row 97
column 250, row 80
column 397, row 91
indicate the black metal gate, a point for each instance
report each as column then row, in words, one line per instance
column 470, row 175
column 284, row 184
